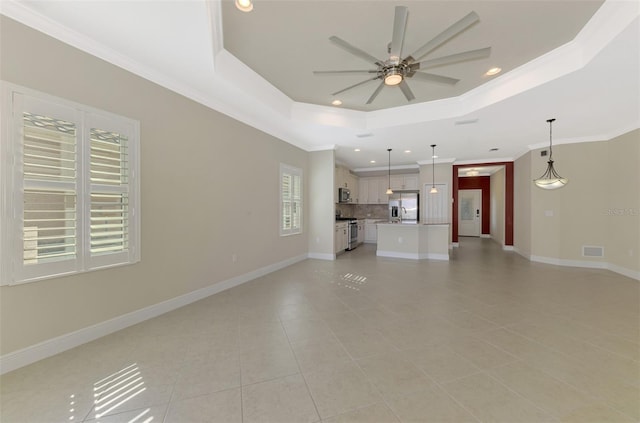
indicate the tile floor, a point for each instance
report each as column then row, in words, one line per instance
column 485, row 337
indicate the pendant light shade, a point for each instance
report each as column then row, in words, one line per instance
column 550, row 178
column 389, row 190
column 433, row 190
column 244, row 5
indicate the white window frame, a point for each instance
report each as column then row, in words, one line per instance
column 295, row 172
column 15, row 101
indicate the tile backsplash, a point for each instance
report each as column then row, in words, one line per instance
column 363, row 211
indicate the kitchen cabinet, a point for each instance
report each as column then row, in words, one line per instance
column 345, row 179
column 376, row 190
column 370, row 231
column 363, row 191
column 404, row 182
column 341, row 237
column 360, row 231
column 373, row 190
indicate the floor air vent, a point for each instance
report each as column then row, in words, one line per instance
column 591, row 251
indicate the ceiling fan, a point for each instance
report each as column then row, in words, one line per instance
column 395, row 70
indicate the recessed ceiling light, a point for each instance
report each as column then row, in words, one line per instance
column 407, row 151
column 244, row 5
column 372, row 161
column 336, row 102
column 494, row 149
column 493, row 71
column 356, row 149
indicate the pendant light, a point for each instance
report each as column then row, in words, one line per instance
column 244, row 5
column 550, row 179
column 389, row 190
column 433, row 190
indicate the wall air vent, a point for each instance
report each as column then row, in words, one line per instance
column 592, row 251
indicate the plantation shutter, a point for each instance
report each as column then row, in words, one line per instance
column 287, row 213
column 296, row 203
column 49, row 169
column 291, row 200
column 109, row 192
column 69, row 188
column 48, row 193
column 109, row 200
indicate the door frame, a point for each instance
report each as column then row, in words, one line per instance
column 508, row 200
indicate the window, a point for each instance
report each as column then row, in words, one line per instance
column 69, row 188
column 290, row 200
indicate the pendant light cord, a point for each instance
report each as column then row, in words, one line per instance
column 550, row 139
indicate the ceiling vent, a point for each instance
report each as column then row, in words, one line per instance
column 466, row 122
column 368, row 134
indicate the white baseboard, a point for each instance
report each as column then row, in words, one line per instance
column 507, row 247
column 412, row 256
column 633, row 274
column 16, row 359
column 455, row 244
column 485, row 236
column 321, row 256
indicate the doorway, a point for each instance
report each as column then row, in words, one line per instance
column 508, row 200
column 469, row 212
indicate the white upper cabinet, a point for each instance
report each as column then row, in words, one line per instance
column 363, row 191
column 404, row 182
column 345, row 179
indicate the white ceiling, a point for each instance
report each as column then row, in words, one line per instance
column 575, row 61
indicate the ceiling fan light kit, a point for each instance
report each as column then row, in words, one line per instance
column 393, row 77
column 550, row 179
column 396, row 70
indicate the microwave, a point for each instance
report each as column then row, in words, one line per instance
column 344, row 195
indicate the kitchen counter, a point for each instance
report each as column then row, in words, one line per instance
column 415, row 241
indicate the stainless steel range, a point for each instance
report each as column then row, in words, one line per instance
column 352, row 231
column 353, row 234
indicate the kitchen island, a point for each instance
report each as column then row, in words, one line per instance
column 415, row 241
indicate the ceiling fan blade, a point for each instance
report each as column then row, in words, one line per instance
column 399, row 28
column 344, row 72
column 406, row 90
column 446, row 35
column 435, row 78
column 454, row 58
column 354, row 85
column 354, row 50
column 375, row 93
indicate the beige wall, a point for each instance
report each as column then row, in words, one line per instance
column 600, row 206
column 522, row 183
column 209, row 189
column 443, row 175
column 321, row 222
column 497, row 185
column 622, row 211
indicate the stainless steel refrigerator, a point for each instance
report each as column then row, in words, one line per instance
column 404, row 206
